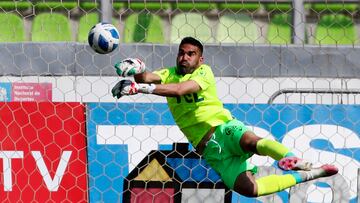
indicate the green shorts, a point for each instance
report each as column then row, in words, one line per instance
column 224, row 154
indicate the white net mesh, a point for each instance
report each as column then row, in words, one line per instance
column 287, row 70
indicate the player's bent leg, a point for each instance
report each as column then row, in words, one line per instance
column 247, row 185
column 294, row 163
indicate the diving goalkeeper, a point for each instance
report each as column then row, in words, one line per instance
column 224, row 142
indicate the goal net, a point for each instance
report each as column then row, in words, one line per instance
column 288, row 69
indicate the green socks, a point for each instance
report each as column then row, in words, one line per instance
column 274, row 183
column 273, row 149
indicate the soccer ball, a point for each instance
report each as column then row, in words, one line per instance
column 103, row 38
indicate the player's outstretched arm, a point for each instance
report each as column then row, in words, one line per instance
column 147, row 82
column 147, row 77
column 128, row 87
column 177, row 89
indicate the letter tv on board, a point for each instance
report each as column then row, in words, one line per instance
column 42, row 152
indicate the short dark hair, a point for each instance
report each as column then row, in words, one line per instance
column 192, row 41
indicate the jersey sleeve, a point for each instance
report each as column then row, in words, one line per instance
column 203, row 76
column 163, row 74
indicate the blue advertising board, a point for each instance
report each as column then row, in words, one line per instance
column 338, row 138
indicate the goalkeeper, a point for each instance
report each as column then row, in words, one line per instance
column 224, row 142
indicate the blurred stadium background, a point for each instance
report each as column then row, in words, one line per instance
column 288, row 69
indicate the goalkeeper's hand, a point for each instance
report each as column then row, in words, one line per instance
column 129, row 67
column 128, row 87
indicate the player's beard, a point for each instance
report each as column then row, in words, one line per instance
column 184, row 68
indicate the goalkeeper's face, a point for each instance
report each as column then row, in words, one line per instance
column 188, row 59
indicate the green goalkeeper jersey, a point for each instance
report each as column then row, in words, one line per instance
column 195, row 113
